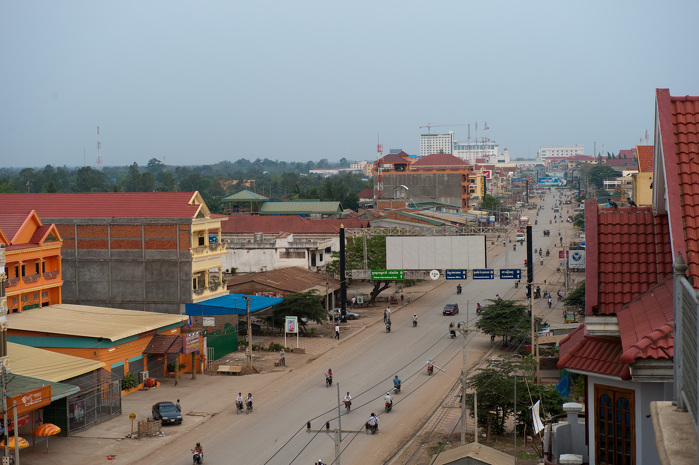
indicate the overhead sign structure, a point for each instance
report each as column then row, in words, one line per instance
column 483, row 274
column 456, row 274
column 511, row 274
column 386, row 275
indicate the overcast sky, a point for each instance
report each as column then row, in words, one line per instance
column 200, row 82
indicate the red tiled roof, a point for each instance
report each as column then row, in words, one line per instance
column 646, row 324
column 580, row 351
column 366, row 194
column 644, row 153
column 630, row 163
column 394, row 158
column 11, row 222
column 581, row 158
column 292, row 279
column 441, row 159
column 627, row 153
column 628, row 251
column 104, row 205
column 678, row 122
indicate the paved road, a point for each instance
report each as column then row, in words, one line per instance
column 275, row 432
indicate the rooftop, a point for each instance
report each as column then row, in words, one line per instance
column 299, row 208
column 444, row 160
column 48, row 365
column 293, row 279
column 644, row 153
column 93, row 322
column 582, row 352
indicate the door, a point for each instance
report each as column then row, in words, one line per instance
column 615, row 431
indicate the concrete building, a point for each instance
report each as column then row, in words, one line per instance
column 153, row 251
column 436, row 143
column 471, row 151
column 547, row 151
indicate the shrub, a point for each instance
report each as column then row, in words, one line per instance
column 129, row 382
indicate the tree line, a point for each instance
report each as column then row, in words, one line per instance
column 278, row 180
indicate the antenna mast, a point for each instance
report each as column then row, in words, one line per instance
column 378, row 185
column 99, row 150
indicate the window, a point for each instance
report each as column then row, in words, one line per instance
column 36, row 268
column 614, row 426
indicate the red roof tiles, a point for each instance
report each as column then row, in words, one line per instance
column 678, row 122
column 628, row 251
column 444, row 160
column 394, row 158
column 580, row 351
column 644, row 153
column 104, row 205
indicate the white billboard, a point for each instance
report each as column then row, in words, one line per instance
column 576, row 259
column 435, row 252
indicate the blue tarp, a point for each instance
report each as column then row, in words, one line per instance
column 231, row 304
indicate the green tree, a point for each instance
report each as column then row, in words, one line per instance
column 598, row 174
column 89, row 180
column 489, row 203
column 507, row 319
column 576, row 299
column 304, row 304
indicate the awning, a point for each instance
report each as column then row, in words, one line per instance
column 230, row 304
column 18, row 384
column 164, row 344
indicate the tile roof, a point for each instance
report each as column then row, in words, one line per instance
column 627, row 153
column 644, row 154
column 245, row 195
column 292, row 279
column 630, row 163
column 366, row 194
column 164, row 344
column 678, row 123
column 394, row 158
column 441, row 159
column 580, row 351
column 646, row 324
column 628, row 251
column 10, row 223
column 581, row 158
column 105, row 204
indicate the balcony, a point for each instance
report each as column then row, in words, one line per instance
column 12, row 282
column 212, row 290
column 49, row 275
column 213, row 248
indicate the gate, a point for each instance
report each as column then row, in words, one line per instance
column 223, row 342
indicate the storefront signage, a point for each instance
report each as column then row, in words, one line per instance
column 191, row 342
column 30, row 400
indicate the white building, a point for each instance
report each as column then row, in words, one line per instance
column 358, row 166
column 566, row 151
column 436, row 143
column 469, row 151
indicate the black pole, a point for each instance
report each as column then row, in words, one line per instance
column 527, row 181
column 343, row 280
column 530, row 260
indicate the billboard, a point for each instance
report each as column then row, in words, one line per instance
column 552, row 181
column 435, row 252
column 576, row 259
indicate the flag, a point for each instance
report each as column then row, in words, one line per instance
column 189, row 322
column 538, row 425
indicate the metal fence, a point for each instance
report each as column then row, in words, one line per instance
column 686, row 331
column 99, row 400
column 223, row 342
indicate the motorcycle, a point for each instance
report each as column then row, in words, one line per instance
column 238, row 407
column 549, row 302
column 328, row 381
column 396, row 388
column 458, row 290
column 197, row 458
column 536, row 221
column 548, row 252
column 388, row 326
column 248, row 407
column 388, row 406
column 514, row 248
column 430, row 369
column 452, row 333
column 414, row 323
column 348, row 404
column 372, row 428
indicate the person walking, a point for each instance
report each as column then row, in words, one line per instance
column 401, row 298
column 388, row 312
column 354, row 302
column 385, row 316
column 337, row 331
column 282, row 356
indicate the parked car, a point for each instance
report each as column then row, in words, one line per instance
column 167, row 412
column 335, row 314
column 450, row 309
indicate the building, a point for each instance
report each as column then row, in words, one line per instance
column 306, row 208
column 436, row 143
column 547, row 151
column 472, row 150
column 153, row 251
column 643, row 180
column 33, row 261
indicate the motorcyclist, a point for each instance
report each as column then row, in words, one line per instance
column 388, row 325
column 396, row 383
column 387, row 399
column 548, row 252
column 373, row 421
column 458, row 289
column 430, row 365
column 452, row 331
column 514, row 247
column 198, row 452
column 239, row 401
column 549, row 300
column 248, row 401
column 478, row 308
column 414, row 319
column 329, row 375
column 348, row 400
column 560, row 295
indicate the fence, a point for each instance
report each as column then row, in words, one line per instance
column 223, row 342
column 686, row 331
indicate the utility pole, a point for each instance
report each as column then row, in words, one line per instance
column 249, row 348
column 4, row 411
column 530, row 280
column 464, row 330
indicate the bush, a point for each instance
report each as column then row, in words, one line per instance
column 129, row 382
column 274, row 347
column 171, row 367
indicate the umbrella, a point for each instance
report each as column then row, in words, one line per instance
column 47, row 429
column 22, row 443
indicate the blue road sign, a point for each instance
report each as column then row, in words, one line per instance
column 511, row 274
column 483, row 274
column 456, row 274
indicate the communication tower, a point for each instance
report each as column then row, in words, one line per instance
column 99, row 150
column 378, row 185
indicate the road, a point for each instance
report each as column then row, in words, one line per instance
column 365, row 365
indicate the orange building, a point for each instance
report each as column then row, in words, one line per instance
column 33, row 261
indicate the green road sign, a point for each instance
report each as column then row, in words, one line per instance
column 386, row 275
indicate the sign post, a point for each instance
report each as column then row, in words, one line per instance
column 291, row 325
column 191, row 346
column 132, row 417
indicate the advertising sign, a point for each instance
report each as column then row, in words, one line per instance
column 486, row 174
column 291, row 324
column 209, row 321
column 456, row 274
column 483, row 274
column 31, row 400
column 191, row 342
column 386, row 275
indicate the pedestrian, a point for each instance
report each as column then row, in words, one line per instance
column 388, row 312
column 384, row 316
column 354, row 302
column 179, row 407
column 337, row 331
column 282, row 356
column 401, row 298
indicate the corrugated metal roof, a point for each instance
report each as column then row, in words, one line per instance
column 293, row 279
column 299, row 208
column 245, row 195
column 48, row 365
column 86, row 321
column 231, row 304
column 19, row 384
column 106, row 204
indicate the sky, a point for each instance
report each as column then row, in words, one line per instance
column 195, row 83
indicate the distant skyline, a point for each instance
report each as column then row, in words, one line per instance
column 199, row 83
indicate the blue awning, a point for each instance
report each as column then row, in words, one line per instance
column 231, row 304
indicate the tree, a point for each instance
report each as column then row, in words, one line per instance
column 489, row 203
column 304, row 304
column 507, row 319
column 598, row 174
column 576, row 299
column 354, row 260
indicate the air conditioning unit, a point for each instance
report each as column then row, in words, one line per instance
column 143, row 376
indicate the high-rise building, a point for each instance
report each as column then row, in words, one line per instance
column 436, row 143
column 564, row 151
column 471, row 150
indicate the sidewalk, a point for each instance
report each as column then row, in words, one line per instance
column 110, row 438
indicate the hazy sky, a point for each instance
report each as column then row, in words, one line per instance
column 201, row 82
